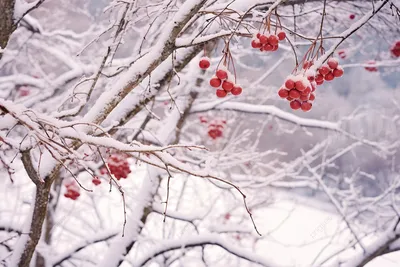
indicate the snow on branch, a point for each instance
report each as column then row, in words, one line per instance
column 22, row 8
column 103, row 236
column 145, row 65
column 266, row 109
column 201, row 240
column 344, row 35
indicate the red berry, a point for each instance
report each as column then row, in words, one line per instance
column 289, row 98
column 215, row 82
column 395, row 51
column 96, row 181
column 275, row 47
column 281, row 36
column 258, row 35
column 306, row 106
column 273, row 40
column 329, row 76
column 304, row 97
column 319, row 82
column 263, row 39
column 227, row 86
column 203, row 119
column 333, row 63
column 312, row 97
column 283, row 93
column 319, row 78
column 323, row 70
column 372, row 68
column 221, row 74
column 236, row 90
column 204, row 64
column 227, row 216
column 342, row 54
column 221, row 93
column 306, row 91
column 294, row 94
column 268, row 47
column 295, row 104
column 24, row 91
column 352, row 16
column 300, row 86
column 307, row 64
column 338, row 72
column 289, row 84
column 212, row 133
column 256, row 44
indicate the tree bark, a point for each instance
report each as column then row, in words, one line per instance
column 39, row 210
column 7, row 23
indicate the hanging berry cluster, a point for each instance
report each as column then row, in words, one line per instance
column 223, row 80
column 72, row 190
column 215, row 127
column 118, row 165
column 328, row 71
column 267, row 38
column 299, row 88
column 299, row 92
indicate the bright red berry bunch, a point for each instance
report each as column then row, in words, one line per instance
column 299, row 91
column 216, row 128
column 72, row 190
column 267, row 42
column 224, row 82
column 372, row 67
column 329, row 71
column 118, row 165
column 395, row 50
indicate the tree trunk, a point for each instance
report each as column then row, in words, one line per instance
column 7, row 24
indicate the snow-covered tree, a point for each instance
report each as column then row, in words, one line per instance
column 199, row 132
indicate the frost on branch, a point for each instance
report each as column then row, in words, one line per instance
column 158, row 133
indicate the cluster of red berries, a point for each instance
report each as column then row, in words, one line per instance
column 395, row 49
column 372, row 66
column 215, row 127
column 267, row 42
column 328, row 71
column 223, row 81
column 72, row 190
column 118, row 165
column 299, row 92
